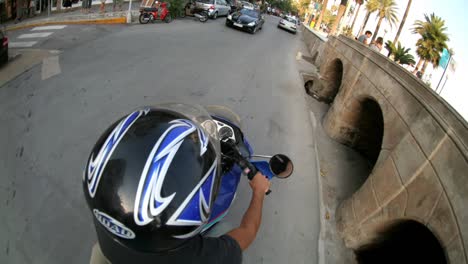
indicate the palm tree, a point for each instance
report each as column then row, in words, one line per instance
column 371, row 7
column 400, row 54
column 319, row 21
column 359, row 3
column 390, row 46
column 432, row 42
column 403, row 21
column 387, row 10
column 341, row 11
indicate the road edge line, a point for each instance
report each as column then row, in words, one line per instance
column 321, row 242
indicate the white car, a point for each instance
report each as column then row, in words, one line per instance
column 289, row 24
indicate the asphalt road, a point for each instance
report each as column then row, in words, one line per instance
column 52, row 115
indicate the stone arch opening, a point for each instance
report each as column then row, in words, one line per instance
column 406, row 241
column 333, row 76
column 369, row 125
column 359, row 124
column 308, row 87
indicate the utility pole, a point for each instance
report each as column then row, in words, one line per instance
column 445, row 70
column 129, row 14
column 443, row 86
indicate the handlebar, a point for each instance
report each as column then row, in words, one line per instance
column 249, row 169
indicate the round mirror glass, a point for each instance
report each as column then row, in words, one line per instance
column 281, row 166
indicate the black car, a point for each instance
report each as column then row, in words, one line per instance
column 3, row 48
column 246, row 19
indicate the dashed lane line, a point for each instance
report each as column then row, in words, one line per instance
column 36, row 35
column 49, row 27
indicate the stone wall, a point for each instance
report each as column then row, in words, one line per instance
column 421, row 172
column 315, row 44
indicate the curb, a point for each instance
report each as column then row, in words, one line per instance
column 321, row 242
column 118, row 20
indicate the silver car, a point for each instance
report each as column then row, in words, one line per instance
column 289, row 24
column 215, row 8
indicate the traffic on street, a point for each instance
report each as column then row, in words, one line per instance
column 65, row 85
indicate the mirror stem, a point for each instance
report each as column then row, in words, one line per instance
column 262, row 156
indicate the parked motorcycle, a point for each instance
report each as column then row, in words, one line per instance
column 238, row 159
column 151, row 14
column 190, row 9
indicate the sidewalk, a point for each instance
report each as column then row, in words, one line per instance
column 74, row 15
column 339, row 171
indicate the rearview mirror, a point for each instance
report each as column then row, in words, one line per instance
column 281, row 166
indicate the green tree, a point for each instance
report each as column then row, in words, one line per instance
column 387, row 9
column 390, row 46
column 284, row 5
column 302, row 6
column 328, row 18
column 347, row 31
column 433, row 40
column 400, row 54
column 176, row 7
column 334, row 8
column 371, row 7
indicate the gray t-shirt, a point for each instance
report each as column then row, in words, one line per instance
column 362, row 39
column 374, row 47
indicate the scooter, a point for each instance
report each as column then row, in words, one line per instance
column 238, row 159
column 190, row 9
column 160, row 12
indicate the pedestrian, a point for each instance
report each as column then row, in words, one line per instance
column 365, row 38
column 116, row 3
column 86, row 4
column 32, row 8
column 377, row 45
column 102, row 8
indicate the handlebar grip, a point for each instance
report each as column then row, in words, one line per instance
column 248, row 168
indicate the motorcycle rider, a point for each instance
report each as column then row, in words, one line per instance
column 151, row 181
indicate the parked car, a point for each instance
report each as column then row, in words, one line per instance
column 214, row 8
column 3, row 48
column 246, row 19
column 289, row 24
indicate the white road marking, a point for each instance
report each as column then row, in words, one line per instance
column 50, row 67
column 49, row 27
column 36, row 35
column 313, row 119
column 23, row 44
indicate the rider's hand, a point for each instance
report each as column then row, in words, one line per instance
column 260, row 183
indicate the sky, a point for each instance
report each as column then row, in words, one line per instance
column 455, row 91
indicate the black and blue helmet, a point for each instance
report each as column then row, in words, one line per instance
column 151, row 179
